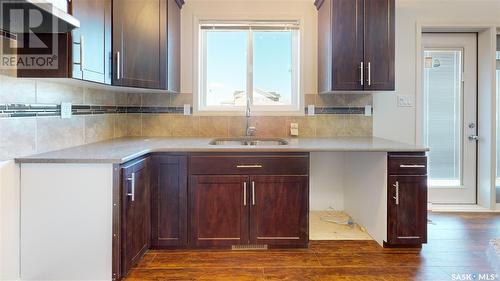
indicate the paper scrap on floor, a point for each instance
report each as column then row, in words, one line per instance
column 326, row 229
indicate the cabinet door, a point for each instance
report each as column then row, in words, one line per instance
column 92, row 41
column 218, row 210
column 136, row 43
column 169, row 201
column 279, row 212
column 407, row 210
column 379, row 49
column 136, row 210
column 170, row 32
column 347, row 44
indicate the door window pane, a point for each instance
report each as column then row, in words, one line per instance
column 443, row 117
column 272, row 67
column 226, row 67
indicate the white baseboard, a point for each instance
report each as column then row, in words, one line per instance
column 461, row 208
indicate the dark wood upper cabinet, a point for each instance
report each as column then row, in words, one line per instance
column 407, row 200
column 379, row 52
column 218, row 210
column 146, row 38
column 356, row 45
column 169, row 201
column 91, row 43
column 136, row 212
column 279, row 210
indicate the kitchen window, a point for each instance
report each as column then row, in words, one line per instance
column 252, row 62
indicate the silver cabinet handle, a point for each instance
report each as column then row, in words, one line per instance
column 253, row 193
column 118, row 66
column 362, row 73
column 81, row 53
column 397, row 192
column 369, row 73
column 473, row 138
column 132, row 189
column 244, row 193
column 248, row 166
column 411, row 166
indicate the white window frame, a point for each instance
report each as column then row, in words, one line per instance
column 295, row 108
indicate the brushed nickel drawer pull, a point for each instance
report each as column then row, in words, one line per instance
column 244, row 193
column 248, row 166
column 397, row 192
column 253, row 193
column 411, row 166
column 131, row 194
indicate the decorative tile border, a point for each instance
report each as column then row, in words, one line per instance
column 39, row 110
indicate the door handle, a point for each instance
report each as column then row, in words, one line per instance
column 244, row 193
column 362, row 73
column 369, row 67
column 81, row 53
column 132, row 189
column 473, row 138
column 397, row 192
column 118, row 66
column 253, row 193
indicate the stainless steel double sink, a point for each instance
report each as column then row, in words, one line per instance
column 249, row 141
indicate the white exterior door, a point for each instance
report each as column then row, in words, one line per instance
column 450, row 115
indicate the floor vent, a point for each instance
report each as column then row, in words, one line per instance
column 248, row 247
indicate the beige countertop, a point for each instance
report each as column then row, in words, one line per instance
column 121, row 150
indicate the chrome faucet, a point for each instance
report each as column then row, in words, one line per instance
column 250, row 130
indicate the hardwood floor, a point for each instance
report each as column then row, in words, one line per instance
column 458, row 244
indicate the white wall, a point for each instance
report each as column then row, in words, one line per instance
column 326, row 181
column 9, row 220
column 399, row 123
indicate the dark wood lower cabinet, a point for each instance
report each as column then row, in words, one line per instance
column 279, row 212
column 136, row 211
column 407, row 223
column 218, row 211
column 169, row 201
column 407, row 200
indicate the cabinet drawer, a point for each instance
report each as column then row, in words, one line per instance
column 250, row 164
column 407, row 165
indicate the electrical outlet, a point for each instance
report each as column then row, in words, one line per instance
column 311, row 110
column 294, row 129
column 405, row 101
column 66, row 108
column 187, row 109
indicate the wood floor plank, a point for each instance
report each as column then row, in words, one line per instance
column 458, row 244
column 178, row 274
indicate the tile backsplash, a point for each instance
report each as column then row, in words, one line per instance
column 102, row 115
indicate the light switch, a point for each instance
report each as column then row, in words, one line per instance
column 405, row 101
column 66, row 110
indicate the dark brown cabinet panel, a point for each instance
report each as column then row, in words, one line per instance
column 218, row 210
column 407, row 216
column 92, row 41
column 407, row 200
column 136, row 212
column 355, row 45
column 379, row 44
column 169, row 201
column 279, row 210
column 146, row 44
column 136, row 43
